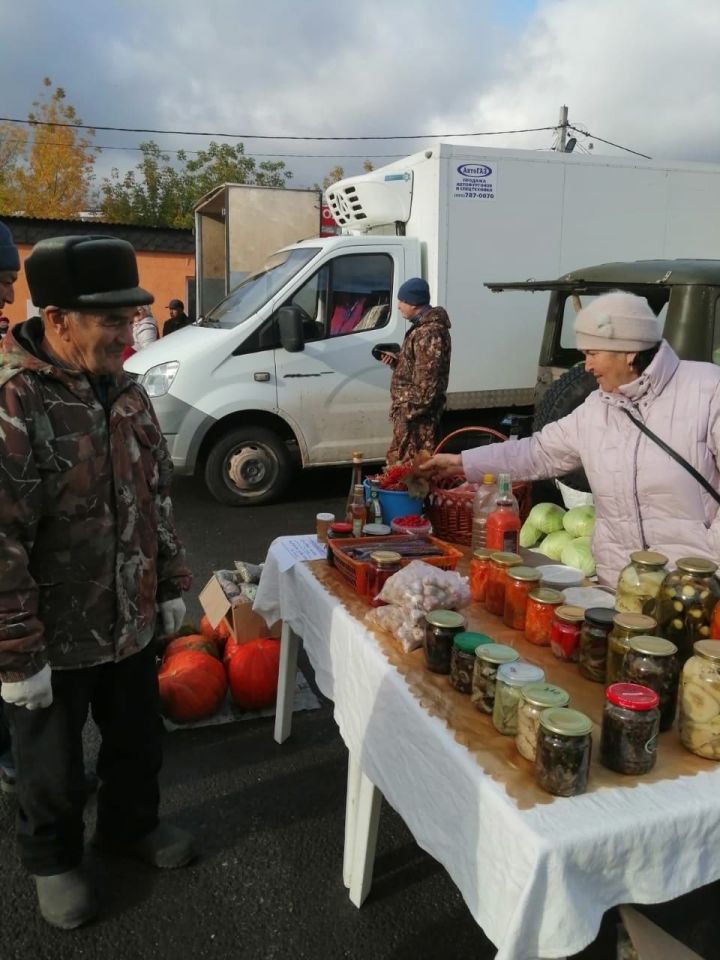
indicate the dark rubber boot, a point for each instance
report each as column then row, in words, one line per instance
column 165, row 847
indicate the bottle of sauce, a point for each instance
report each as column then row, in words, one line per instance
column 358, row 511
column 357, row 459
column 502, row 531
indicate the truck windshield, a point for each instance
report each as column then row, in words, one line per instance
column 258, row 288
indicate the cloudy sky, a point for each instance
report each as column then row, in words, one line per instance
column 642, row 73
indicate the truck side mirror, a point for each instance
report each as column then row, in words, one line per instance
column 290, row 328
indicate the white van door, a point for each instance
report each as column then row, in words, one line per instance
column 334, row 391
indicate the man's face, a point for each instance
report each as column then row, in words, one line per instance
column 408, row 310
column 93, row 342
column 7, row 282
column 175, row 312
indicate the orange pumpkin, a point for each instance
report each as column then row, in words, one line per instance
column 231, row 647
column 194, row 641
column 192, row 686
column 253, row 673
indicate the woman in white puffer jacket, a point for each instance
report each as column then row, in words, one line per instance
column 145, row 328
column 644, row 499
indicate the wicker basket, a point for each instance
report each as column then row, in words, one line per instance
column 450, row 510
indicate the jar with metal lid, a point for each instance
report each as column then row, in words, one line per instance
column 565, row 632
column 594, row 642
column 630, row 725
column 479, row 569
column 521, row 581
column 685, row 603
column 462, row 658
column 699, row 718
column 441, row 628
column 383, row 564
column 488, row 657
column 640, row 581
column 534, row 698
column 541, row 606
column 511, row 678
column 500, row 563
column 336, row 531
column 564, row 747
column 653, row 662
column 625, row 627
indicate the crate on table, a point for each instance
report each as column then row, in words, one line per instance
column 355, row 571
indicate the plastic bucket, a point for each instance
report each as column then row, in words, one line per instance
column 395, row 503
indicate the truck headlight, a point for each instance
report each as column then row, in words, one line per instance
column 158, row 380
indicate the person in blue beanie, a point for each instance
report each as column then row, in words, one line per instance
column 420, row 373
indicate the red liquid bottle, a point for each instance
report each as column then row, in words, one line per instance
column 502, row 531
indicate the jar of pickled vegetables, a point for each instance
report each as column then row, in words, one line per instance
column 625, row 627
column 594, row 642
column 462, row 659
column 652, row 662
column 500, row 563
column 539, row 614
column 441, row 628
column 685, row 603
column 488, row 657
column 520, row 583
column 511, row 678
column 640, row 581
column 565, row 632
column 564, row 746
column 479, row 568
column 535, row 698
column 699, row 717
column 631, row 720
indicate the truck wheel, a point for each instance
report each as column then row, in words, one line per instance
column 247, row 467
column 561, row 398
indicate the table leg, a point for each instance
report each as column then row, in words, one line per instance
column 289, row 646
column 354, row 776
column 367, row 819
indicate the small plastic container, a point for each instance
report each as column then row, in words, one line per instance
column 535, row 698
column 462, row 659
column 441, row 628
column 376, row 530
column 652, row 662
column 488, row 657
column 594, row 642
column 511, row 678
column 630, row 725
column 640, row 581
column 521, row 581
column 564, row 747
column 699, row 718
column 414, row 524
column 565, row 632
column 479, row 569
column 383, row 564
column 500, row 563
column 540, row 613
column 625, row 627
column 337, row 531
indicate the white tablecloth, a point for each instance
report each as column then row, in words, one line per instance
column 536, row 880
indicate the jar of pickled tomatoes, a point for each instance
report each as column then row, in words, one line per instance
column 479, row 569
column 500, row 563
column 521, row 581
column 539, row 614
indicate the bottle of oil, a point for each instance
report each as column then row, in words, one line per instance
column 483, row 506
column 357, row 459
column 358, row 511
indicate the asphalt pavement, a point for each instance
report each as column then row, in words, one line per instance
column 269, row 824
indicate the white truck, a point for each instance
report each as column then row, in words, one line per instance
column 281, row 371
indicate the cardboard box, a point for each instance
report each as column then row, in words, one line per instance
column 241, row 621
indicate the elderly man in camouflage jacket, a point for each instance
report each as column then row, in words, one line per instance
column 89, row 556
column 420, row 373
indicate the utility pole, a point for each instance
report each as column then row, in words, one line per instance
column 561, row 141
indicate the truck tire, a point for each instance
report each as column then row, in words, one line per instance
column 561, row 398
column 248, row 466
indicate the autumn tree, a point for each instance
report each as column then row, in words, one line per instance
column 338, row 173
column 13, row 142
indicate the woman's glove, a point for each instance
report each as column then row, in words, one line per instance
column 172, row 614
column 33, row 693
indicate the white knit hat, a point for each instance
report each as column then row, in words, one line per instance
column 619, row 322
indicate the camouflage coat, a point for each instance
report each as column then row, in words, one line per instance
column 87, row 536
column 420, row 376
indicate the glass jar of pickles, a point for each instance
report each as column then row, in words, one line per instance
column 564, row 746
column 520, row 583
column 565, row 632
column 625, row 627
column 500, row 563
column 383, row 564
column 652, row 662
column 685, row 603
column 511, row 678
column 539, row 614
column 699, row 718
column 462, row 659
column 594, row 642
column 534, row 698
column 488, row 657
column 441, row 628
column 479, row 568
column 631, row 720
column 640, row 581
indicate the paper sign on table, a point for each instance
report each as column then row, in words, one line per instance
column 292, row 550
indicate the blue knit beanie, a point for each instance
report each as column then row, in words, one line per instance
column 9, row 257
column 416, row 292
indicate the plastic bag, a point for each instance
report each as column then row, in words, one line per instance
column 425, row 587
column 407, row 626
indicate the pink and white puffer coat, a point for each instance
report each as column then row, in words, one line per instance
column 644, row 499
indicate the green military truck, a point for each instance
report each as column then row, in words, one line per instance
column 685, row 294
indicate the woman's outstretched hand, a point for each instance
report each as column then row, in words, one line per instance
column 441, row 465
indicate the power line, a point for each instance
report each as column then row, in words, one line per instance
column 619, row 146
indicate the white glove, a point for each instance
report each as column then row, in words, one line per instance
column 172, row 614
column 33, row 693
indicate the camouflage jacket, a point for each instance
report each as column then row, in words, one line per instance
column 420, row 377
column 87, row 536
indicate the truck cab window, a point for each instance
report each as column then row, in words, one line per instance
column 360, row 293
